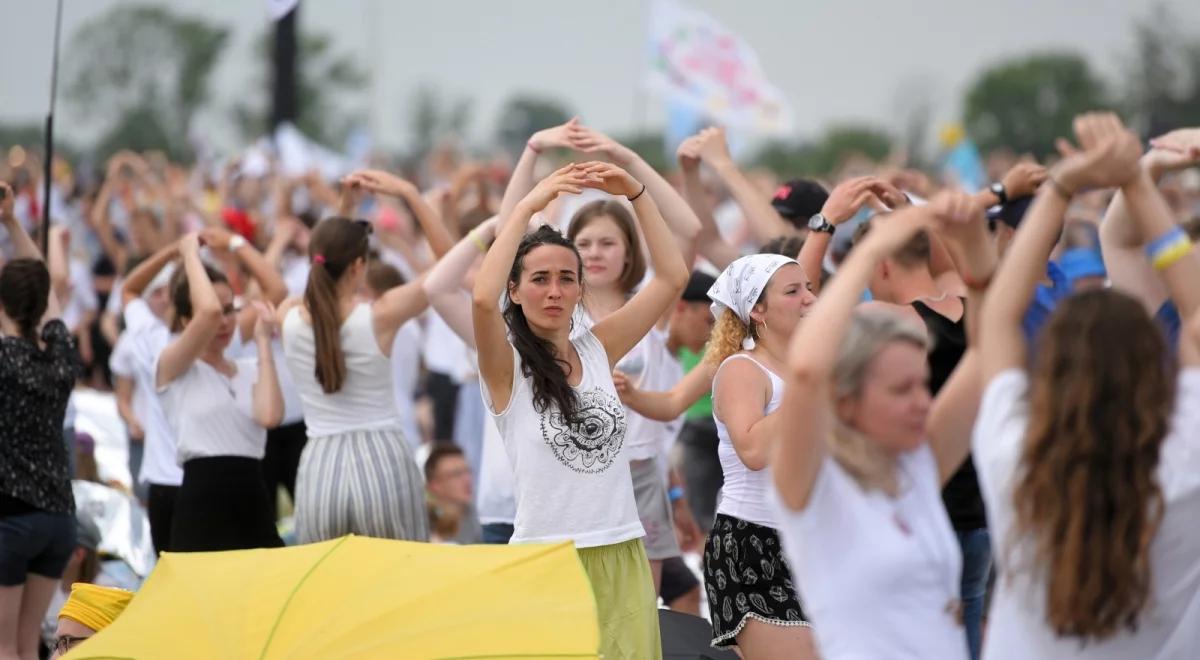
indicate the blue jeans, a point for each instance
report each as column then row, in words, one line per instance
column 977, row 561
column 497, row 533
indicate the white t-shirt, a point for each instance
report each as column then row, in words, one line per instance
column 443, row 351
column 134, row 357
column 496, row 502
column 572, row 482
column 745, row 493
column 214, row 414
column 647, row 366
column 879, row 576
column 406, row 376
column 295, row 270
column 82, row 298
column 1169, row 627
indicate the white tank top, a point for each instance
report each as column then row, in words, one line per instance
column 572, row 481
column 745, row 493
column 366, row 400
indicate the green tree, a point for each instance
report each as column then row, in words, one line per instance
column 523, row 115
column 650, row 147
column 1024, row 104
column 1163, row 74
column 824, row 156
column 143, row 72
column 325, row 79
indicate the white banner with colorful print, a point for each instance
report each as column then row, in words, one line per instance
column 696, row 61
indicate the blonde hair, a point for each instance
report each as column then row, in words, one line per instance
column 726, row 338
column 859, row 455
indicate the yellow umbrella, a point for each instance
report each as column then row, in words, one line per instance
column 358, row 597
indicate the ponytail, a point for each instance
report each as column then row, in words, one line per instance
column 320, row 296
column 25, row 293
column 335, row 245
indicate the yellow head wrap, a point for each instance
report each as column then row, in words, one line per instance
column 94, row 606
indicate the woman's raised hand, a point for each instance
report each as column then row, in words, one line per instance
column 585, row 139
column 1107, row 155
column 554, row 137
column 571, row 179
column 611, row 179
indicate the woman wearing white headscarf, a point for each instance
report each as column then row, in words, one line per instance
column 757, row 301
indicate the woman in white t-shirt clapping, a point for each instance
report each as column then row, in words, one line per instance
column 554, row 402
column 1089, row 461
column 859, row 468
column 220, row 410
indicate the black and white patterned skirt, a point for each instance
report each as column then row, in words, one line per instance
column 747, row 577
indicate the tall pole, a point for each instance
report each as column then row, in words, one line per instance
column 49, row 171
column 284, row 107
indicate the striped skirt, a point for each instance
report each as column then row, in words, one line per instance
column 360, row 482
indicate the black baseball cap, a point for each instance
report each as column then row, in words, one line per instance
column 697, row 287
column 798, row 200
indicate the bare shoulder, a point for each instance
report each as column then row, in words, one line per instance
column 286, row 306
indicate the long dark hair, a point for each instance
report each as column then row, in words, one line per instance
column 181, row 293
column 335, row 245
column 24, row 294
column 540, row 362
column 1087, row 496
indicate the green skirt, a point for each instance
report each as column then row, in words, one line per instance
column 625, row 600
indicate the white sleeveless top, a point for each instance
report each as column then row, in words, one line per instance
column 366, row 400
column 881, row 574
column 744, row 495
column 572, row 482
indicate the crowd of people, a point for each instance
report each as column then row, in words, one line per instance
column 875, row 417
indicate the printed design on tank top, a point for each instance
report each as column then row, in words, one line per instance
column 592, row 445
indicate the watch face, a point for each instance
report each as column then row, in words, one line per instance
column 816, row 222
column 998, row 189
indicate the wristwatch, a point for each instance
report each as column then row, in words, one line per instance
column 236, row 242
column 819, row 223
column 999, row 191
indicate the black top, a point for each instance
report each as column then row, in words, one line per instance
column 949, row 341
column 35, row 384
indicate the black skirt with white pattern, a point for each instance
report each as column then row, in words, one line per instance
column 747, row 577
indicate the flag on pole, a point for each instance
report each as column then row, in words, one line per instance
column 697, row 62
column 280, row 8
column 962, row 163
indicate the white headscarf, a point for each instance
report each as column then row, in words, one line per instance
column 741, row 283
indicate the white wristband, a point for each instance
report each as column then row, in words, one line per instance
column 236, row 242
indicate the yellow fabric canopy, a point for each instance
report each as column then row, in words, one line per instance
column 357, row 597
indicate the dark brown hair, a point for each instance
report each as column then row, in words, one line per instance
column 1100, row 401
column 382, row 276
column 635, row 261
column 181, row 293
column 441, row 450
column 25, row 293
column 335, row 245
column 540, row 362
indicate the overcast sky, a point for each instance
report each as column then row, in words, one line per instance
column 835, row 61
